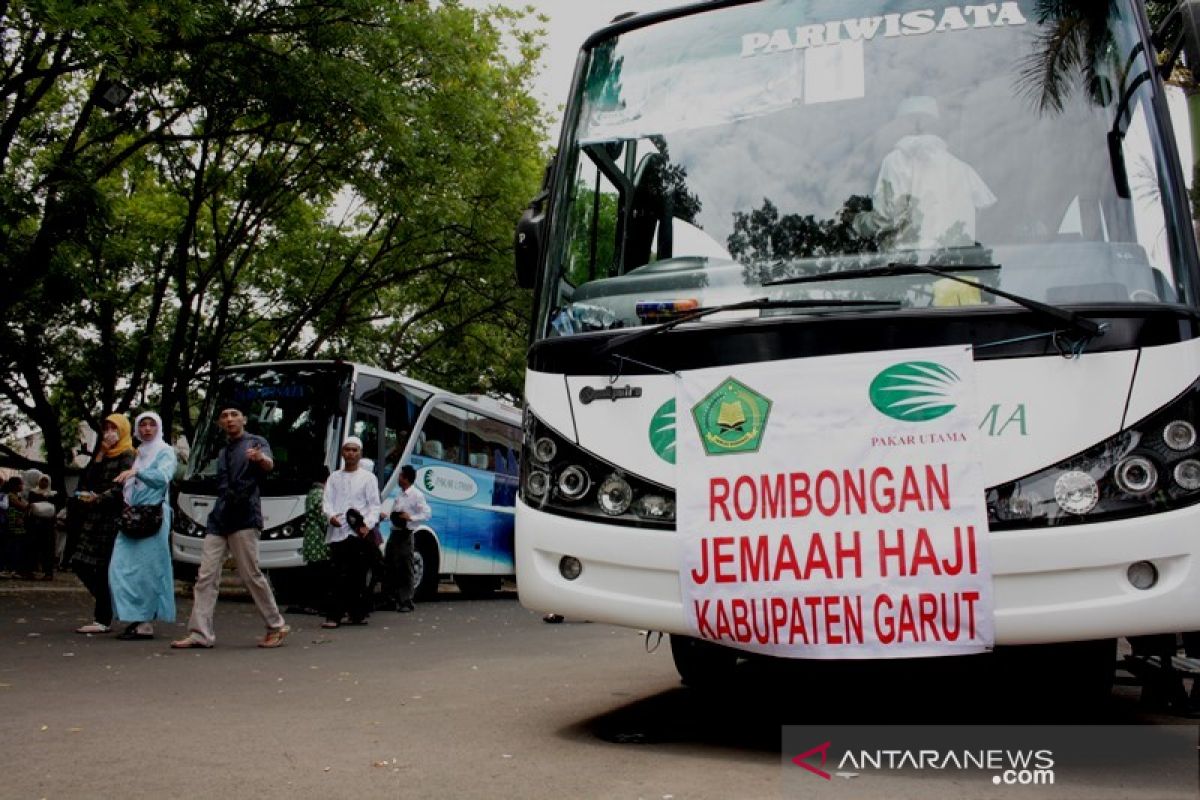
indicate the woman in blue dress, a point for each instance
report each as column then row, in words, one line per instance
column 140, row 576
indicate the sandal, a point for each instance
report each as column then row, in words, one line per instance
column 190, row 643
column 275, row 637
column 131, row 633
column 94, row 627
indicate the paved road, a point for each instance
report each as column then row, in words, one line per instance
column 461, row 699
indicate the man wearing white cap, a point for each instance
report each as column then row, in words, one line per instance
column 352, row 506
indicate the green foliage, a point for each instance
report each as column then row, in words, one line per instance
column 285, row 180
column 588, row 218
column 764, row 239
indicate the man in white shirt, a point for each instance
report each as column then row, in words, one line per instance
column 925, row 197
column 409, row 510
column 350, row 493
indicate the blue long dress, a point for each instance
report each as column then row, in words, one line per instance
column 140, row 575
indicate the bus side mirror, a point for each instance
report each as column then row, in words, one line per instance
column 527, row 245
column 1179, row 32
column 531, row 230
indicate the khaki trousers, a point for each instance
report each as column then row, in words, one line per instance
column 243, row 545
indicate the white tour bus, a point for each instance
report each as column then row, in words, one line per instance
column 783, row 247
column 465, row 449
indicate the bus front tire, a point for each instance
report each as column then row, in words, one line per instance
column 701, row 664
column 425, row 569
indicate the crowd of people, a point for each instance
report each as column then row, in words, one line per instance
column 28, row 538
column 118, row 525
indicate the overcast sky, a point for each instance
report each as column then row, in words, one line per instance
column 571, row 21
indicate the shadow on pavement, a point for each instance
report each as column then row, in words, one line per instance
column 749, row 712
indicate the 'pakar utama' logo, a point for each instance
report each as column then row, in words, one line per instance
column 915, row 391
column 731, row 419
column 662, row 431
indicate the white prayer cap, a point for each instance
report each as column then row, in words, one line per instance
column 918, row 104
column 353, row 440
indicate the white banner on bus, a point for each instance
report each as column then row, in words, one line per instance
column 833, row 507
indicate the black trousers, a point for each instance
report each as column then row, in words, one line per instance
column 318, row 585
column 95, row 578
column 398, row 556
column 40, row 534
column 351, row 559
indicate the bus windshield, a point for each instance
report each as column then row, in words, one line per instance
column 297, row 408
column 715, row 155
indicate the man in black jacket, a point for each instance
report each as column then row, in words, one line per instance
column 233, row 528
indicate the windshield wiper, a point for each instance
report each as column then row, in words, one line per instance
column 618, row 342
column 1079, row 323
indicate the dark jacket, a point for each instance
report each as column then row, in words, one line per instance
column 95, row 524
column 238, row 505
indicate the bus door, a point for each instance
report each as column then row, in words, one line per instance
column 367, row 424
column 491, row 444
column 437, row 456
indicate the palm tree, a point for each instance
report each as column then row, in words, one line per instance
column 1077, row 41
column 1076, row 36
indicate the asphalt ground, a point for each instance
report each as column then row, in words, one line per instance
column 463, row 698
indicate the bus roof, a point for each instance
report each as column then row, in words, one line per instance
column 475, row 402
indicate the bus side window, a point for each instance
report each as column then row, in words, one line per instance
column 443, row 432
column 507, row 445
column 366, row 427
column 401, row 405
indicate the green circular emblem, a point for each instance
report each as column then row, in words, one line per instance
column 915, row 391
column 662, row 431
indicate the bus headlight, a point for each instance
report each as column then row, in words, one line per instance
column 573, row 482
column 1142, row 575
column 1023, row 506
column 289, row 530
column 1126, row 475
column 1187, row 474
column 559, row 477
column 1179, row 435
column 538, row 483
column 1136, row 475
column 655, row 507
column 1076, row 492
column 614, row 496
column 544, row 450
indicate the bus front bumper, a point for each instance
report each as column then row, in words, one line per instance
column 272, row 554
column 1050, row 585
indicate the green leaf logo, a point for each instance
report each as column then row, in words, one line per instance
column 662, row 431
column 429, row 485
column 915, row 391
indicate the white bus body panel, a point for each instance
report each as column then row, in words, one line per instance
column 272, row 554
column 1033, row 403
column 1051, row 584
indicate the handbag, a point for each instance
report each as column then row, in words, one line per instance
column 354, row 519
column 141, row 522
column 41, row 510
